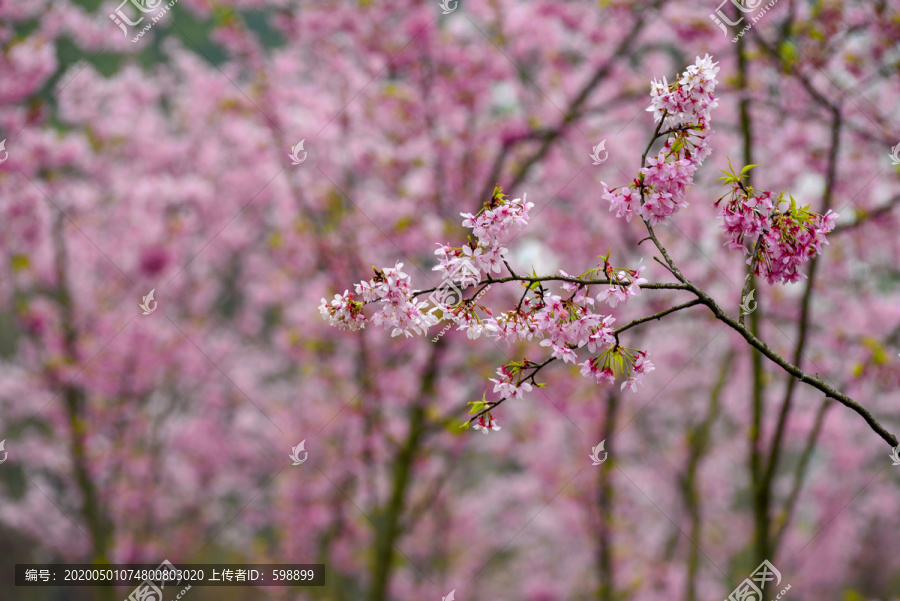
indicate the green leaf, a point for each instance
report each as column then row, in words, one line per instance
column 19, row 262
column 403, row 224
column 746, row 169
column 789, row 55
column 223, row 15
column 852, row 595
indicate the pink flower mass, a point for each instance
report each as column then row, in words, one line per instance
column 268, row 267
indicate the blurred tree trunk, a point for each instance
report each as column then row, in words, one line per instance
column 99, row 526
column 388, row 518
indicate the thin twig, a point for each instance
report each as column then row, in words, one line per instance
column 660, row 315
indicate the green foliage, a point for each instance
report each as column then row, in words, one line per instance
column 731, row 177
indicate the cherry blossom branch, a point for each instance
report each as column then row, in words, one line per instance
column 762, row 347
column 522, row 299
column 659, row 198
column 489, row 405
column 562, row 278
column 562, row 324
column 785, row 239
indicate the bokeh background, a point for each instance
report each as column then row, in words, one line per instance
column 163, row 164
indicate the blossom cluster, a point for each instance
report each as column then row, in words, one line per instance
column 690, row 99
column 568, row 322
column 486, row 423
column 509, row 385
column 615, row 361
column 400, row 312
column 781, row 239
column 562, row 324
column 565, row 325
column 343, row 312
column 684, row 108
column 466, row 316
column 623, row 283
column 496, row 220
column 581, row 328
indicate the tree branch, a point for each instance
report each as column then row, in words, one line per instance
column 563, row 278
column 660, row 315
